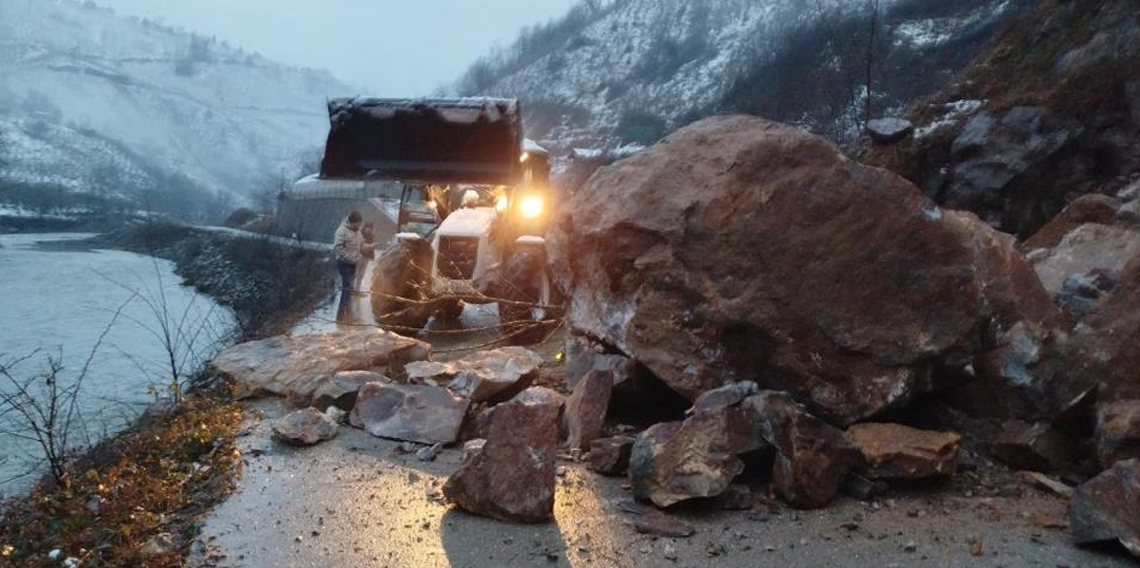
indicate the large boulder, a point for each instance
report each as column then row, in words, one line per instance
column 512, row 477
column 1089, row 208
column 586, row 409
column 1118, row 432
column 609, row 456
column 415, row 413
column 889, row 130
column 1107, row 508
column 297, row 366
column 304, row 427
column 495, row 374
column 739, row 247
column 812, row 457
column 894, row 451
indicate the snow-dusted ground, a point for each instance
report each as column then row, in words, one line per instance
column 60, row 302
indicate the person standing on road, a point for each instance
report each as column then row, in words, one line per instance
column 348, row 245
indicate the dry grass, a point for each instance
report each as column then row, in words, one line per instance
column 156, row 478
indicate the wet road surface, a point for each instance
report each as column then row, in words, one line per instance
column 357, row 501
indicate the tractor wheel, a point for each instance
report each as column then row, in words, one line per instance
column 533, row 304
column 401, row 281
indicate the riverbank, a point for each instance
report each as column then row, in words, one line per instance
column 136, row 498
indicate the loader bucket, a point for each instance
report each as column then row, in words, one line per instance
column 476, row 141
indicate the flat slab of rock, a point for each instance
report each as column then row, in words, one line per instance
column 1090, row 247
column 586, row 408
column 1118, row 432
column 304, row 427
column 609, row 456
column 512, row 477
column 341, row 390
column 297, row 366
column 483, row 376
column 1107, row 508
column 415, row 413
column 650, row 521
column 812, row 457
column 894, row 451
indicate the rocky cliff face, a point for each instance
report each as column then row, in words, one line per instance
column 630, row 71
column 1050, row 113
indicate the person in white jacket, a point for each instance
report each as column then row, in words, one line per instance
column 349, row 247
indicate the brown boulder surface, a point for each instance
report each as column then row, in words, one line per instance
column 766, row 253
column 512, row 477
column 298, row 366
column 1107, row 507
column 1090, row 208
column 894, row 451
column 812, row 457
column 415, row 413
column 586, row 408
column 1118, row 432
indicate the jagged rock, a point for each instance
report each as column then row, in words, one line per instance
column 889, row 130
column 582, row 357
column 1129, row 213
column 585, row 412
column 673, row 462
column 304, row 427
column 1090, row 247
column 483, row 376
column 674, row 285
column 471, row 448
column 512, row 477
column 429, row 453
column 1089, row 208
column 731, row 394
column 1033, row 446
column 812, row 457
column 1103, row 351
column 894, row 451
column 1105, row 508
column 540, row 395
column 416, row 413
column 610, row 456
column 862, row 488
column 1118, row 432
column 341, row 390
column 298, row 366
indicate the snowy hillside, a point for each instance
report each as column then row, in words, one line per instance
column 131, row 96
column 631, row 70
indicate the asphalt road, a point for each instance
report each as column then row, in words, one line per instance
column 356, row 501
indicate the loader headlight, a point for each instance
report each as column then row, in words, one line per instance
column 531, row 206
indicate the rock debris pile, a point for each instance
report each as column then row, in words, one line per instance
column 817, row 317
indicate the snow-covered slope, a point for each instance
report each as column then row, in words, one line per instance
column 631, row 69
column 82, row 88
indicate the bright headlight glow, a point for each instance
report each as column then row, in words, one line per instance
column 531, row 206
column 501, row 203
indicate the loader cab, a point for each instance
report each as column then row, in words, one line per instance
column 486, row 248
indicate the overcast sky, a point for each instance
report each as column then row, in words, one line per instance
column 393, row 47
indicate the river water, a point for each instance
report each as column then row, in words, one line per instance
column 58, row 302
